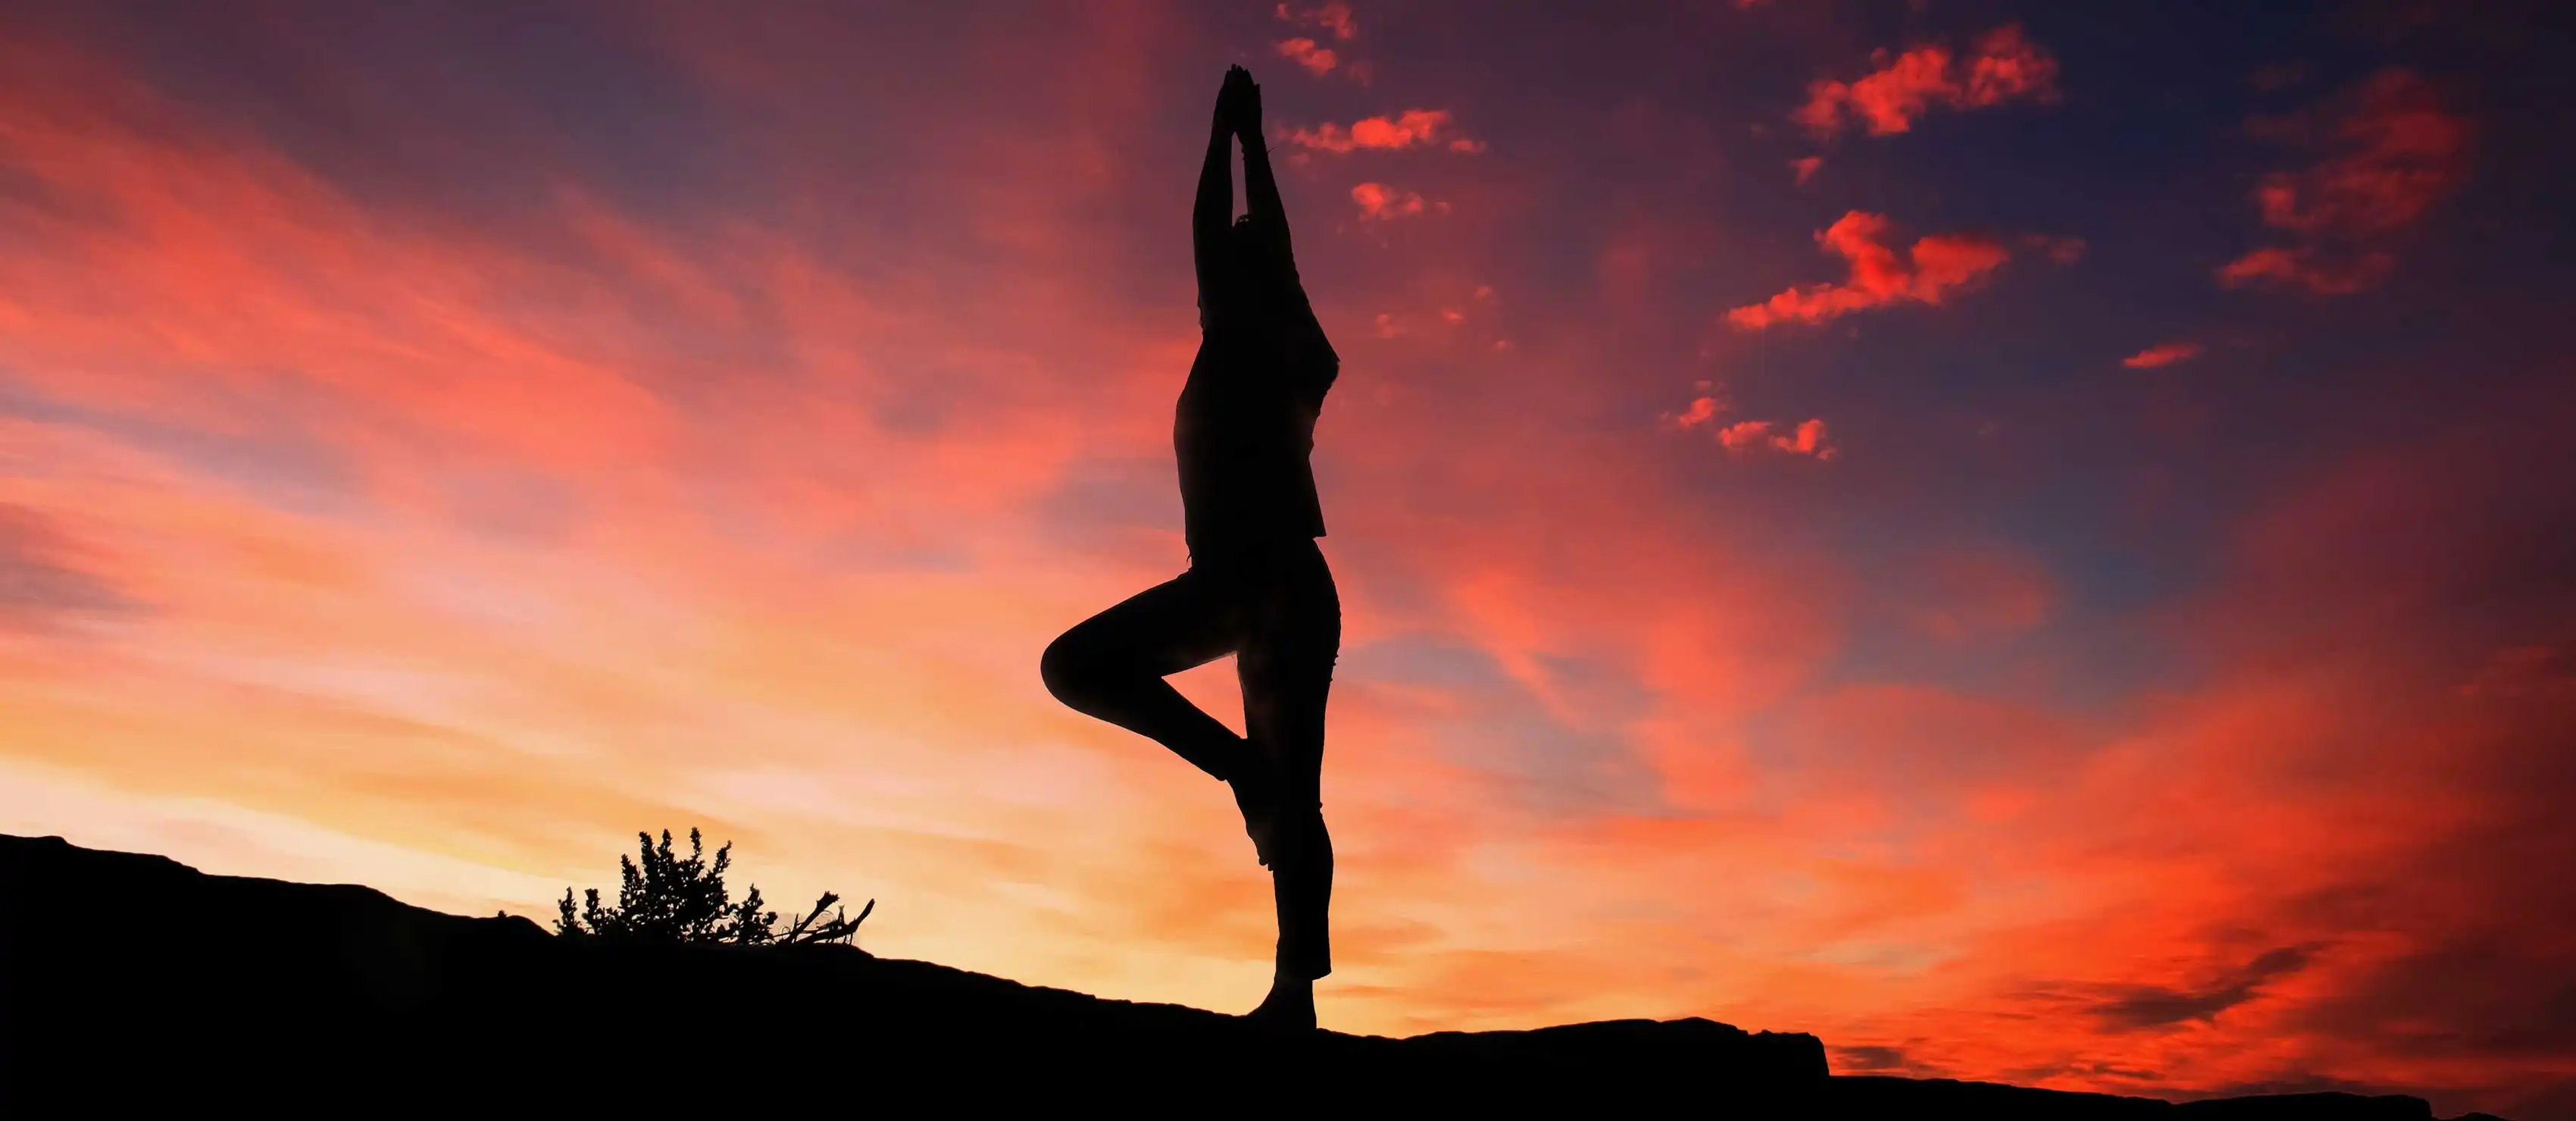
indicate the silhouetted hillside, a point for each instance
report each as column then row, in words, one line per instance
column 162, row 970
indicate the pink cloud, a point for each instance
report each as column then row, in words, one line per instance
column 1317, row 60
column 1927, row 273
column 2398, row 155
column 2392, row 154
column 2306, row 267
column 2003, row 67
column 1750, row 436
column 1381, row 203
column 2007, row 66
column 1747, row 436
column 1807, row 167
column 1702, row 410
column 2162, row 354
column 1410, row 129
column 1334, row 17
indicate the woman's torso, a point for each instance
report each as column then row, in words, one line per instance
column 1244, row 428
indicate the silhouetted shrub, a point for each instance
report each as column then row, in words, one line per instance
column 665, row 897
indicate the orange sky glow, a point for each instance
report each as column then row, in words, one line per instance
column 2070, row 586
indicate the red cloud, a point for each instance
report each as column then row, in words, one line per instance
column 1748, row 436
column 1317, row 60
column 2004, row 66
column 1701, row 411
column 1410, row 129
column 1380, row 202
column 1807, row 167
column 2400, row 154
column 2325, row 274
column 2394, row 154
column 1334, row 17
column 2162, row 354
column 1926, row 274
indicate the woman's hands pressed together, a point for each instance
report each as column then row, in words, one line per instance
column 1238, row 104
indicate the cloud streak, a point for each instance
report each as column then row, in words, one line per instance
column 1413, row 128
column 45, row 581
column 1334, row 18
column 2001, row 67
column 1930, row 271
column 1808, row 438
column 1317, row 60
column 2162, row 355
column 2151, row 1006
column 1381, row 203
column 2392, row 153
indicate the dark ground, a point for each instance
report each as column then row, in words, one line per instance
column 126, row 975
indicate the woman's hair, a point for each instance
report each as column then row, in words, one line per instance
column 1256, row 254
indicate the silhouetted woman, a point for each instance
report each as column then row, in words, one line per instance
column 1257, row 587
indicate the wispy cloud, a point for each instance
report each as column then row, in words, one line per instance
column 2392, row 152
column 1413, row 128
column 1808, row 438
column 47, row 578
column 2003, row 66
column 1302, row 51
column 1926, row 273
column 1379, row 202
column 2153, row 1006
column 1745, row 437
column 2163, row 354
column 1334, row 18
column 1701, row 410
column 2322, row 272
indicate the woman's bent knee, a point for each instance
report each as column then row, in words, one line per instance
column 1072, row 670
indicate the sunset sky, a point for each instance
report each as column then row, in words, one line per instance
column 2032, row 541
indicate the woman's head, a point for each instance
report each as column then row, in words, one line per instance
column 1252, row 254
column 1250, row 271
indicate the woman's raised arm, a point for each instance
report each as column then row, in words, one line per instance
column 1214, row 210
column 1260, row 189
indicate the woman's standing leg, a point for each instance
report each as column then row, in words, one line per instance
column 1286, row 667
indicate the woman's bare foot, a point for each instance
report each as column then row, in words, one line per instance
column 1290, row 1007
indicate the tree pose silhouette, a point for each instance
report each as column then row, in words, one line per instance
column 1257, row 586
